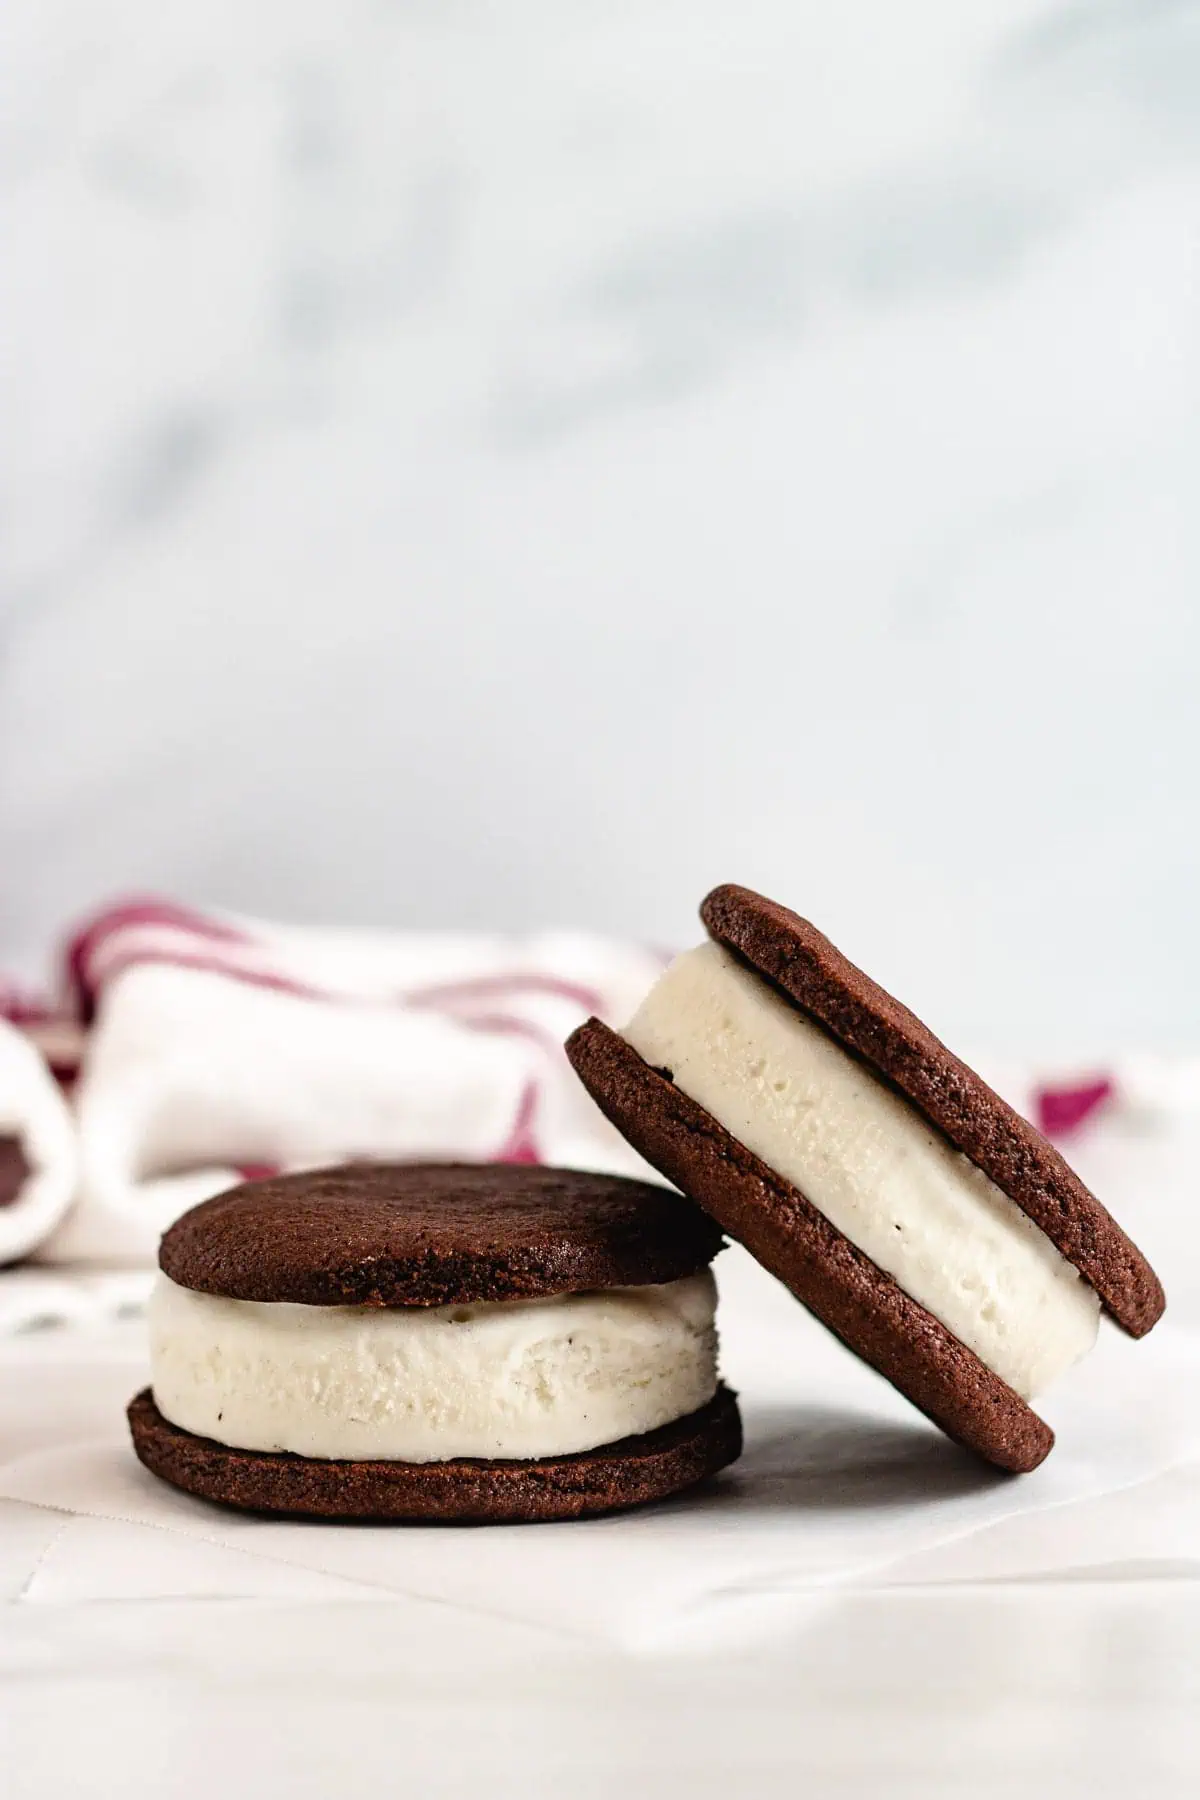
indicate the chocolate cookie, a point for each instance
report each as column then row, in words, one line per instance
column 870, row 1024
column 437, row 1341
column 631, row 1472
column 435, row 1234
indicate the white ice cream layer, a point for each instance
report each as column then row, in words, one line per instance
column 870, row 1163
column 521, row 1379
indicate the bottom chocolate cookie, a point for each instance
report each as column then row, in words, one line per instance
column 465, row 1491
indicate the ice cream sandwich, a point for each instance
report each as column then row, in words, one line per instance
column 478, row 1343
column 919, row 1217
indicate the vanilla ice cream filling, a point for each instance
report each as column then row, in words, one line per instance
column 518, row 1379
column 870, row 1163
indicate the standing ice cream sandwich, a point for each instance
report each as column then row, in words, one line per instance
column 921, row 1219
column 478, row 1343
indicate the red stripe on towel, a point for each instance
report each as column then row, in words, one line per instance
column 214, row 965
column 1062, row 1110
column 520, row 1146
column 84, row 948
column 257, row 1171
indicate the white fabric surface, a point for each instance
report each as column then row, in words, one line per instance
column 842, row 1484
column 855, row 1603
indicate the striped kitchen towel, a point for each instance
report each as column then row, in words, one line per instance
column 191, row 1050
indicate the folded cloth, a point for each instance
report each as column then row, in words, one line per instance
column 219, row 1048
column 37, row 1147
column 198, row 1049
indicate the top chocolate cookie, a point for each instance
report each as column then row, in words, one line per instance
column 871, row 1025
column 435, row 1234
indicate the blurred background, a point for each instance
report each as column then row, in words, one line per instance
column 517, row 465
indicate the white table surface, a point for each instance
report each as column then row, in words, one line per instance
column 244, row 1675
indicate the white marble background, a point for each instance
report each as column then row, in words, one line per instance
column 521, row 463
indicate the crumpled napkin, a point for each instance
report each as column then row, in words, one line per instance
column 841, row 1484
column 36, row 1127
column 209, row 1048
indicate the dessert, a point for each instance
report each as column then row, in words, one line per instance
column 921, row 1219
column 437, row 1341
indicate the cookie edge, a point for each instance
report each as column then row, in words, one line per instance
column 194, row 1253
column 632, row 1472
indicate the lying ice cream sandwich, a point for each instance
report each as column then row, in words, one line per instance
column 477, row 1343
column 937, row 1233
